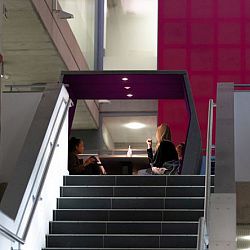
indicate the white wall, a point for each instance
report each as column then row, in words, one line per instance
column 131, row 35
column 242, row 135
column 5, row 243
column 17, row 114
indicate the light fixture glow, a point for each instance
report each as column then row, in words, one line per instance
column 125, row 79
column 101, row 101
column 135, row 125
column 127, row 87
column 6, row 77
column 246, row 237
column 129, row 95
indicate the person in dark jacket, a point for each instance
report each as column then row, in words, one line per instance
column 165, row 157
column 76, row 166
column 180, row 148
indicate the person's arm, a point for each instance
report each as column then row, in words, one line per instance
column 149, row 150
column 102, row 170
column 74, row 166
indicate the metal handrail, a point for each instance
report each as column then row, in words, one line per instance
column 11, row 235
column 54, row 145
column 203, row 233
column 7, row 232
column 208, row 160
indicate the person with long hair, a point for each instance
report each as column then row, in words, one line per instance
column 165, row 158
column 76, row 166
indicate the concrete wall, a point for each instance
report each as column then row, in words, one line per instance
column 61, row 35
column 242, row 136
column 17, row 115
column 242, row 163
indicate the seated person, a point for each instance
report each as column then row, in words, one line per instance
column 165, row 159
column 180, row 148
column 76, row 166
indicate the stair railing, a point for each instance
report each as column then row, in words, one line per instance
column 203, row 229
column 12, row 236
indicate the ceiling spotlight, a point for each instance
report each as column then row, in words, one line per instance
column 135, row 125
column 124, row 78
column 129, row 95
column 127, row 87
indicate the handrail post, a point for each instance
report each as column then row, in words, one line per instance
column 200, row 239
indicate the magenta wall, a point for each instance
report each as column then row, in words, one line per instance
column 211, row 40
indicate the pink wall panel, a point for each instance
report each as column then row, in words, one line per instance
column 211, row 40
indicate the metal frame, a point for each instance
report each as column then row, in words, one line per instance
column 99, row 35
column 193, row 151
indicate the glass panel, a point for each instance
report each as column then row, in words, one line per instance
column 130, row 35
column 82, row 25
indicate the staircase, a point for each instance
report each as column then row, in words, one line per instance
column 127, row 212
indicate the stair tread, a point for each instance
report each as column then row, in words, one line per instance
column 132, row 186
column 104, row 227
column 188, row 222
column 122, row 209
column 74, row 248
column 148, row 235
column 123, row 198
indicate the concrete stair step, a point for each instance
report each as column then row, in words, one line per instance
column 124, row 241
column 121, row 227
column 127, row 215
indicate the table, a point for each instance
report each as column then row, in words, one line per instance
column 121, row 164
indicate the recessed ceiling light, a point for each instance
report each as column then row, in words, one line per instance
column 127, row 87
column 104, row 101
column 135, row 125
column 129, row 95
column 124, row 78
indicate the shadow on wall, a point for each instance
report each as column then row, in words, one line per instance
column 3, row 187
